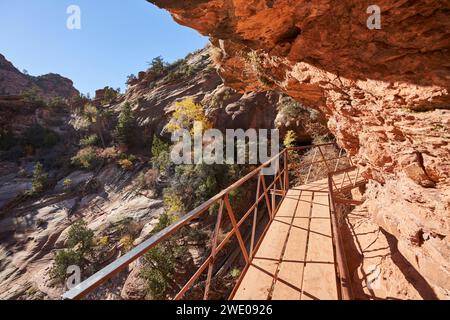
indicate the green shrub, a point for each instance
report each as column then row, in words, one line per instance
column 96, row 117
column 165, row 220
column 160, row 263
column 195, row 184
column 211, row 68
column 91, row 140
column 34, row 97
column 157, row 65
column 129, row 157
column 86, row 158
column 227, row 95
column 131, row 78
column 126, row 126
column 80, row 242
column 102, row 241
column 158, row 272
column 176, row 64
column 39, row 180
column 63, row 260
column 160, row 155
column 291, row 108
column 179, row 70
column 162, row 161
column 126, row 243
column 56, row 102
column 236, row 196
column 80, row 237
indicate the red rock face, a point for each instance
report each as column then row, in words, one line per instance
column 384, row 92
column 13, row 82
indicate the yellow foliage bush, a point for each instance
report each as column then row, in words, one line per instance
column 126, row 243
column 289, row 139
column 125, row 164
column 186, row 113
column 67, row 183
column 173, row 203
column 103, row 241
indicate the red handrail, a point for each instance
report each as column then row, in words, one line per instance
column 281, row 177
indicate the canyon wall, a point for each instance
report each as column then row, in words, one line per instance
column 384, row 92
column 14, row 82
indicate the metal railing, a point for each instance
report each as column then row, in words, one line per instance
column 344, row 183
column 270, row 195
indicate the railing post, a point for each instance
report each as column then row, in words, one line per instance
column 286, row 173
column 273, row 193
column 325, row 160
column 213, row 250
column 236, row 229
column 338, row 160
column 276, row 178
column 344, row 276
column 255, row 218
column 269, row 208
column 312, row 163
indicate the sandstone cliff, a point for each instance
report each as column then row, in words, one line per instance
column 384, row 92
column 13, row 82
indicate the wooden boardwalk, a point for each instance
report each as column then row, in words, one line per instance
column 296, row 259
column 297, row 256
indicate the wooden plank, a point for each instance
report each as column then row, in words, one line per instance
column 289, row 282
column 317, row 186
column 321, row 206
column 319, row 280
column 287, row 208
column 304, row 205
column 258, row 281
column 303, row 273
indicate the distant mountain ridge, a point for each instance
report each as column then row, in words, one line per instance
column 13, row 82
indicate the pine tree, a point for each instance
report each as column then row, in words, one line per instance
column 39, row 179
column 126, row 125
column 157, row 65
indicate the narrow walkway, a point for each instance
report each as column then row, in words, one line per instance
column 296, row 258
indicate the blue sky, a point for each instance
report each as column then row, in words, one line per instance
column 117, row 38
